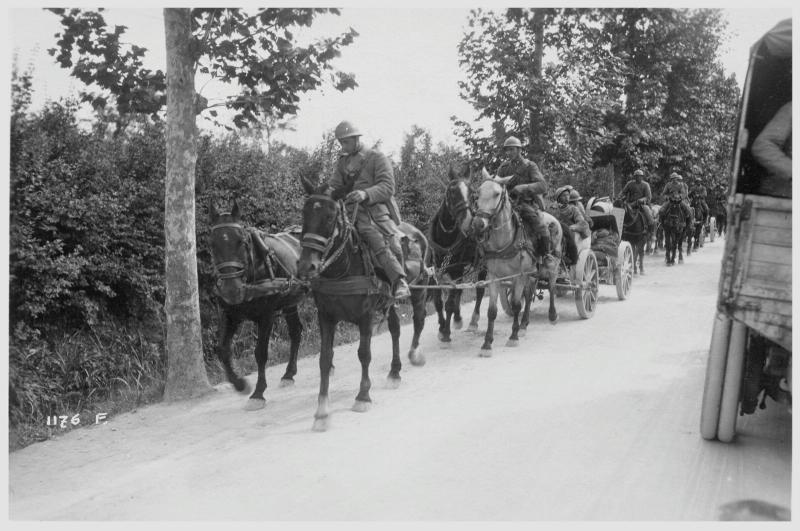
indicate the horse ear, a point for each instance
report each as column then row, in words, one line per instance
column 308, row 186
column 235, row 211
column 484, row 173
column 502, row 180
column 213, row 214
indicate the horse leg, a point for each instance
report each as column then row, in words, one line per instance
column 444, row 335
column 550, row 264
column 457, row 321
column 394, row 330
column 528, row 294
column 295, row 333
column 327, row 329
column 680, row 249
column 415, row 354
column 641, row 257
column 516, row 308
column 437, row 303
column 363, row 400
column 257, row 400
column 228, row 326
column 491, row 315
column 476, row 312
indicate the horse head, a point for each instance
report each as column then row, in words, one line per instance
column 231, row 251
column 456, row 203
column 320, row 216
column 491, row 201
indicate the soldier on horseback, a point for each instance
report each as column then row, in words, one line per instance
column 699, row 191
column 365, row 176
column 637, row 192
column 526, row 186
column 676, row 191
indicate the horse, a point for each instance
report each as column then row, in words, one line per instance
column 696, row 230
column 509, row 252
column 721, row 216
column 245, row 259
column 454, row 250
column 674, row 225
column 346, row 288
column 634, row 231
column 656, row 239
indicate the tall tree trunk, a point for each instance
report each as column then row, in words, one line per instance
column 186, row 373
column 535, row 148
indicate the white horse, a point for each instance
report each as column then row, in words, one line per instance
column 510, row 253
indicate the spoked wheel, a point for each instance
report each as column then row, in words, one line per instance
column 623, row 276
column 587, row 280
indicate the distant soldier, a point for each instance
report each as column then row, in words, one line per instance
column 676, row 191
column 364, row 175
column 525, row 183
column 637, row 192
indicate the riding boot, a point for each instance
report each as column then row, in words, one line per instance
column 394, row 271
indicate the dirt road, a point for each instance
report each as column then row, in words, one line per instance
column 586, row 420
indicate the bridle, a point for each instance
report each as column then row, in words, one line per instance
column 325, row 245
column 455, row 212
column 239, row 269
column 491, row 216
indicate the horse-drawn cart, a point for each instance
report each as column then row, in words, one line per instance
column 750, row 357
column 616, row 265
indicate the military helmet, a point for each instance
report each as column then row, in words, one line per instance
column 346, row 129
column 638, row 172
column 574, row 195
column 562, row 189
column 675, row 175
column 512, row 141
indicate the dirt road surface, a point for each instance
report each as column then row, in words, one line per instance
column 585, row 420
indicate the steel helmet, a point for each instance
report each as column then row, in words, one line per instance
column 563, row 189
column 574, row 195
column 345, row 129
column 638, row 172
column 675, row 175
column 512, row 141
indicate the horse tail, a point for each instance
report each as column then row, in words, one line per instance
column 569, row 244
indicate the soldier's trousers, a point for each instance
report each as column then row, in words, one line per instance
column 376, row 240
column 536, row 228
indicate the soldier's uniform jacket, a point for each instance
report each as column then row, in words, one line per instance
column 676, row 187
column 369, row 170
column 526, row 173
column 634, row 191
column 571, row 216
column 700, row 191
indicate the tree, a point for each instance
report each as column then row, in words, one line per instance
column 254, row 51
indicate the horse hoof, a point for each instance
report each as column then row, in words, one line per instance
column 392, row 382
column 416, row 357
column 286, row 382
column 512, row 343
column 553, row 318
column 457, row 324
column 254, row 404
column 485, row 352
column 522, row 332
column 321, row 424
column 241, row 386
column 359, row 406
column 444, row 338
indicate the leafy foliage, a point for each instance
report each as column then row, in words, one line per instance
column 257, row 52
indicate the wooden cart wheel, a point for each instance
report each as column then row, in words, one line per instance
column 715, row 376
column 623, row 275
column 731, row 387
column 587, row 279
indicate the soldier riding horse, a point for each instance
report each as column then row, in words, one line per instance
column 346, row 287
column 510, row 254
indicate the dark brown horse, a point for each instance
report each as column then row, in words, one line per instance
column 245, row 260
column 455, row 252
column 674, row 224
column 347, row 288
column 700, row 219
column 634, row 231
